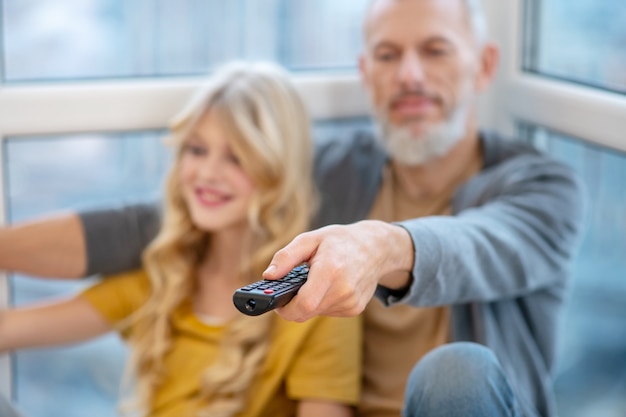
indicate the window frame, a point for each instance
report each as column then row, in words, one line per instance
column 584, row 112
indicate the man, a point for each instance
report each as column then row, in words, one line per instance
column 463, row 236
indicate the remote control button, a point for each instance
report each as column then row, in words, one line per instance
column 274, row 293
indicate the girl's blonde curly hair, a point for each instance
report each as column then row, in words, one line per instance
column 269, row 132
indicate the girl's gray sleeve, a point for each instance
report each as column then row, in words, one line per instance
column 116, row 237
column 517, row 234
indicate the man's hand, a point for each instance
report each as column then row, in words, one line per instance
column 48, row 247
column 345, row 265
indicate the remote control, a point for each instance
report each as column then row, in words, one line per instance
column 265, row 295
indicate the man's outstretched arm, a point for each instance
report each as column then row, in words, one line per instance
column 518, row 241
column 76, row 245
column 47, row 247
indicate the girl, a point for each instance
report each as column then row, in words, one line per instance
column 240, row 188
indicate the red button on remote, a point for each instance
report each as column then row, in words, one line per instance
column 268, row 291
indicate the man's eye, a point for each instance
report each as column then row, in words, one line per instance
column 437, row 51
column 385, row 56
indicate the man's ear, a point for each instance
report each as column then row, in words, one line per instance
column 489, row 61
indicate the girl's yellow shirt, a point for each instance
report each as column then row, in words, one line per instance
column 319, row 359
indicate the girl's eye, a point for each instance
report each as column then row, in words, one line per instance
column 195, row 150
column 234, row 159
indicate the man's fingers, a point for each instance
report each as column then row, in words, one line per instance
column 344, row 266
column 299, row 250
column 328, row 297
column 306, row 303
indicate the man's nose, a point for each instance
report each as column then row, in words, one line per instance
column 411, row 71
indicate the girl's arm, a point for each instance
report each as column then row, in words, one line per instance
column 62, row 322
column 315, row 408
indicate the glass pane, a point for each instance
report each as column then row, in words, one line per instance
column 591, row 373
column 74, row 39
column 58, row 173
column 47, row 174
column 578, row 40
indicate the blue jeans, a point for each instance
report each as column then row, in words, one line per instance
column 459, row 379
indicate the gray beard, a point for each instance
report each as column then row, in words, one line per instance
column 407, row 148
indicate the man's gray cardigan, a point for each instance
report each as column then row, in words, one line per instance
column 500, row 261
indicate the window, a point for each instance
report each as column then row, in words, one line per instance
column 579, row 41
column 576, row 94
column 76, row 39
column 591, row 372
column 81, row 170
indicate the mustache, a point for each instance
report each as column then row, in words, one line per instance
column 421, row 94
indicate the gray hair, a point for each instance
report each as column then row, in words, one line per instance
column 475, row 13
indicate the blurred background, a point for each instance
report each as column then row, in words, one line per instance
column 75, row 58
